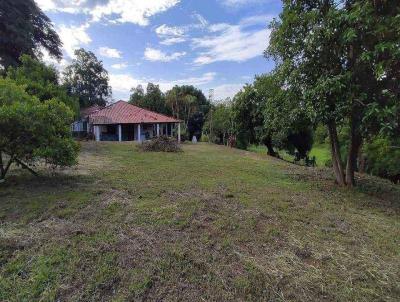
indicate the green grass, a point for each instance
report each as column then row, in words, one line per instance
column 321, row 153
column 210, row 223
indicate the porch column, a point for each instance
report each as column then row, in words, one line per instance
column 119, row 132
column 179, row 132
column 158, row 130
column 97, row 133
column 139, row 133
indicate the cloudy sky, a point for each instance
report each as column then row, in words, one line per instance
column 206, row 43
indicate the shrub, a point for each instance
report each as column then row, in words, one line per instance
column 204, row 138
column 160, row 144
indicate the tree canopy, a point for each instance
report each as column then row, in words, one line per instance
column 87, row 79
column 343, row 66
column 42, row 81
column 153, row 99
column 25, row 29
column 32, row 130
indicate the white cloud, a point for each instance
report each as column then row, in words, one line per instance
column 109, row 52
column 236, row 43
column 224, row 91
column 238, row 3
column 165, row 30
column 171, row 41
column 202, row 21
column 121, row 11
column 152, row 54
column 171, row 34
column 119, row 66
column 122, row 83
column 73, row 37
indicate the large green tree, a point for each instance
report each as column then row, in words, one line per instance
column 42, row 81
column 87, row 79
column 343, row 58
column 33, row 131
column 25, row 29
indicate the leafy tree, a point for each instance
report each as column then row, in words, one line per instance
column 383, row 158
column 32, row 131
column 247, row 116
column 25, row 29
column 186, row 100
column 87, row 79
column 195, row 125
column 137, row 96
column 219, row 123
column 42, row 81
column 343, row 65
column 153, row 99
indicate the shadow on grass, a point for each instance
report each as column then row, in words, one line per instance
column 24, row 196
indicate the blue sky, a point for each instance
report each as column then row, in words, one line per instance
column 206, row 43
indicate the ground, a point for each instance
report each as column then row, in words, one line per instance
column 207, row 224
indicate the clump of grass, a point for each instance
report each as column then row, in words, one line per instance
column 161, row 144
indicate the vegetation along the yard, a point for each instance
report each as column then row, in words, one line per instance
column 206, row 224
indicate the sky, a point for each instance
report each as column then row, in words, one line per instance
column 211, row 44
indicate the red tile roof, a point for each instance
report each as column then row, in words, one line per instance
column 123, row 113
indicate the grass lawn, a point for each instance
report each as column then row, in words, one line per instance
column 208, row 224
column 321, row 153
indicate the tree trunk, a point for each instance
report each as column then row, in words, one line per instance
column 335, row 151
column 268, row 143
column 354, row 147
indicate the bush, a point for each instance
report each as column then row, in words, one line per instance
column 161, row 144
column 204, row 138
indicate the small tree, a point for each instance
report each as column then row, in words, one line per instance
column 87, row 79
column 31, row 130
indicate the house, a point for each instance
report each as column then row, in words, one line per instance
column 122, row 121
column 81, row 127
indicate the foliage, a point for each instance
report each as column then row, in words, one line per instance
column 185, row 101
column 247, row 116
column 42, row 81
column 87, row 79
column 25, row 29
column 343, row 66
column 219, row 123
column 383, row 158
column 320, row 134
column 161, row 144
column 153, row 99
column 31, row 130
column 271, row 114
column 195, row 125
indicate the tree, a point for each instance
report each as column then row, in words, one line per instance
column 248, row 116
column 42, row 81
column 153, row 99
column 186, row 100
column 344, row 66
column 137, row 96
column 32, row 131
column 87, row 79
column 219, row 123
column 25, row 29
